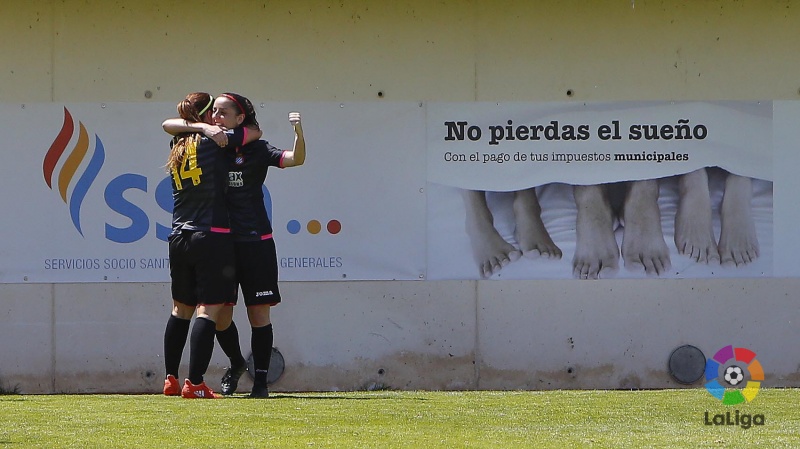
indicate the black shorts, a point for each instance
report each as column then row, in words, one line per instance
column 202, row 268
column 257, row 272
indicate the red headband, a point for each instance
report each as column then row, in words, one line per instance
column 244, row 111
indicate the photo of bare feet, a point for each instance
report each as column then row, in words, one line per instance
column 490, row 250
column 694, row 229
column 738, row 242
column 596, row 251
column 643, row 246
column 694, row 236
column 705, row 223
column 618, row 190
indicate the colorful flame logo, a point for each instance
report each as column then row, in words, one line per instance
column 70, row 166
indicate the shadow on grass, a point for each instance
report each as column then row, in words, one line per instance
column 311, row 396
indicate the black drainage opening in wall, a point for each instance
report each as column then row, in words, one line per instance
column 687, row 364
column 276, row 366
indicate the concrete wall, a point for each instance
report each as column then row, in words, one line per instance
column 426, row 335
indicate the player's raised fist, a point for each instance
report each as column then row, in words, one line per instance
column 294, row 118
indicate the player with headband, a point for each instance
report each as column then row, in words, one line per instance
column 256, row 257
column 202, row 261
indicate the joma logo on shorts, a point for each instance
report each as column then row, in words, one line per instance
column 264, row 293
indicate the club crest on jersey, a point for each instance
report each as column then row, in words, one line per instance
column 239, row 159
column 235, row 179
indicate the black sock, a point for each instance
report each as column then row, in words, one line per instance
column 200, row 349
column 174, row 341
column 229, row 342
column 261, row 342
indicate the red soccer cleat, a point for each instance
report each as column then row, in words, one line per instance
column 192, row 391
column 171, row 386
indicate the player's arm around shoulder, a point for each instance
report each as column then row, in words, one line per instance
column 297, row 156
column 175, row 126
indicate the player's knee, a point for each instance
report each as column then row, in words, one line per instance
column 258, row 315
column 182, row 311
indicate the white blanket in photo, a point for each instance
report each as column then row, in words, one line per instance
column 450, row 255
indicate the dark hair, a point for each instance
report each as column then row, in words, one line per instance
column 194, row 106
column 243, row 106
column 190, row 109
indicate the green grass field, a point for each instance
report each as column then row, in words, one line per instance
column 391, row 419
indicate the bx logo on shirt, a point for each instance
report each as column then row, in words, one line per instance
column 235, row 179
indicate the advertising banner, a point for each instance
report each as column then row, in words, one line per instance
column 416, row 191
column 86, row 197
column 576, row 190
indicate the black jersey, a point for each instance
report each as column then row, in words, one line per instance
column 247, row 170
column 199, row 185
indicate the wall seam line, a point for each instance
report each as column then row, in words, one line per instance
column 53, row 338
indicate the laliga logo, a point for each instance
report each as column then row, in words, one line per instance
column 70, row 167
column 733, row 366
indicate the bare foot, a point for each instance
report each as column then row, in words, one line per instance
column 738, row 242
column 490, row 250
column 643, row 243
column 596, row 251
column 694, row 230
column 530, row 232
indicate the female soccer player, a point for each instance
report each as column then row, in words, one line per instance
column 202, row 261
column 256, row 258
